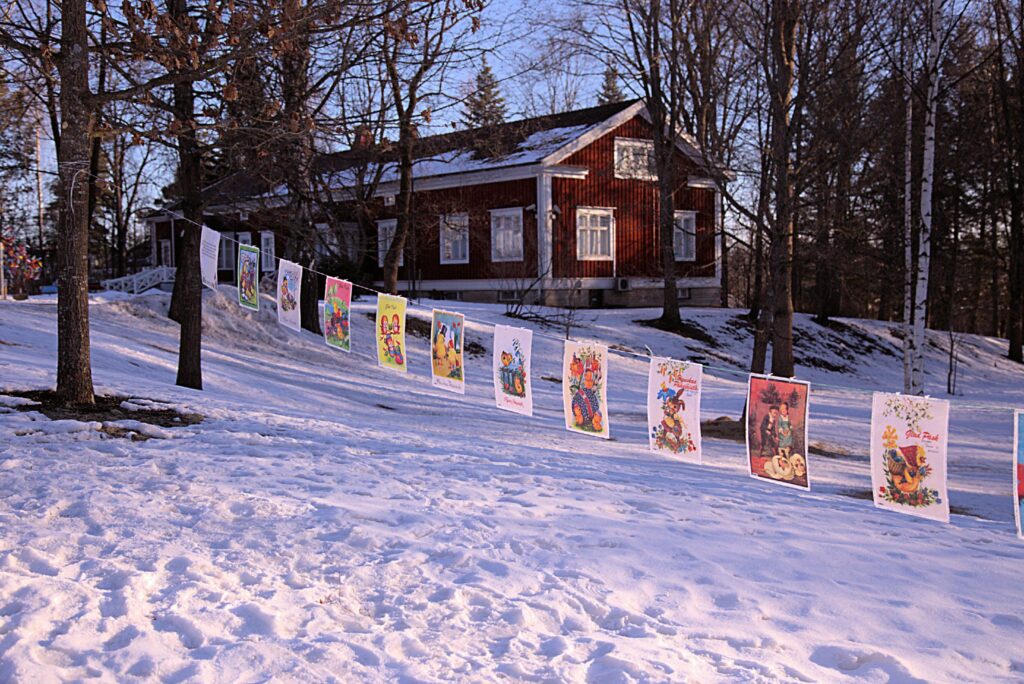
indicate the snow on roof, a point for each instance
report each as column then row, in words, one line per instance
column 531, row 150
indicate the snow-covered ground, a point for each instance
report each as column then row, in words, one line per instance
column 330, row 521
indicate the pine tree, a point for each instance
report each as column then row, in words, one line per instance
column 484, row 106
column 610, row 91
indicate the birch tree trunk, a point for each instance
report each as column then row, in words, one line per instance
column 74, row 372
column 924, row 249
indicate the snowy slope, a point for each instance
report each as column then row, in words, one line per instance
column 329, row 521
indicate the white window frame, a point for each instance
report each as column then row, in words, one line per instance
column 325, row 240
column 497, row 215
column 595, row 211
column 226, row 253
column 387, row 227
column 447, row 224
column 353, row 241
column 268, row 255
column 683, row 236
column 633, row 144
column 167, row 252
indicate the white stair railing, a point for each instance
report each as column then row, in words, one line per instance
column 141, row 281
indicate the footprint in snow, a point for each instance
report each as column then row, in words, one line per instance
column 254, row 621
column 188, row 633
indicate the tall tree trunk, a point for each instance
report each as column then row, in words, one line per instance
column 295, row 89
column 404, row 207
column 762, row 333
column 188, row 283
column 74, row 373
column 666, row 248
column 924, row 242
column 785, row 18
column 724, row 237
column 1013, row 123
column 908, row 225
column 990, row 236
column 120, row 213
column 96, row 149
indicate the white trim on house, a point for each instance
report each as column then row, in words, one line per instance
column 482, row 177
column 545, row 230
column 609, row 283
column 448, row 224
column 702, row 183
column 595, row 133
column 510, row 212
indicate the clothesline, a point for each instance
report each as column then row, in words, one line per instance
column 625, row 352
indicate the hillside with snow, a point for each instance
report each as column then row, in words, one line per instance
column 331, row 521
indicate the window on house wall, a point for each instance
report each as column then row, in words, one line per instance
column 455, row 239
column 326, row 243
column 507, row 234
column 594, row 234
column 243, row 239
column 166, row 254
column 386, row 230
column 684, row 236
column 353, row 241
column 226, row 254
column 634, row 159
column 267, row 251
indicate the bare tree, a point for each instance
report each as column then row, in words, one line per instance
column 419, row 44
column 1009, row 88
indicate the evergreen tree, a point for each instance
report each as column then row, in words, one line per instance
column 485, row 106
column 610, row 91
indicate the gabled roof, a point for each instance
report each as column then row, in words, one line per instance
column 514, row 143
column 543, row 140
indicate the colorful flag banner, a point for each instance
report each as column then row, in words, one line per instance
column 908, row 454
column 337, row 307
column 513, row 388
column 1018, row 471
column 391, row 332
column 209, row 252
column 447, row 333
column 249, row 276
column 289, row 294
column 777, row 430
column 585, row 388
column 673, row 408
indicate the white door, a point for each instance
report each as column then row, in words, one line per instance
column 166, row 255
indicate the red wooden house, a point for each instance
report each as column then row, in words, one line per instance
column 561, row 207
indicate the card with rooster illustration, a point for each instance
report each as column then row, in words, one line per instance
column 513, row 386
column 908, row 454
